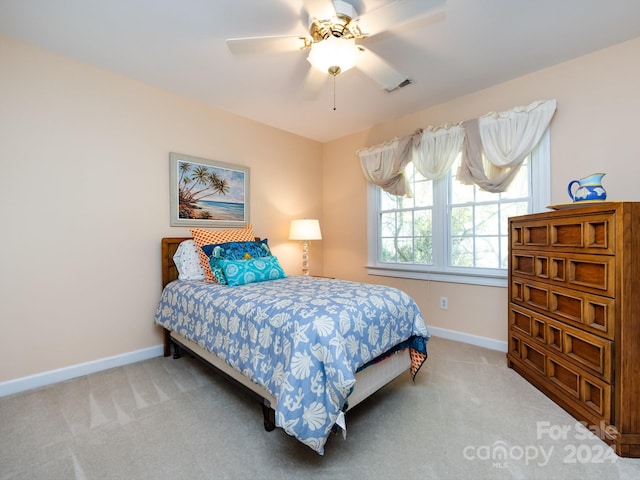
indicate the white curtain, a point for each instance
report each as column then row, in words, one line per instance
column 437, row 150
column 493, row 149
column 497, row 143
column 384, row 165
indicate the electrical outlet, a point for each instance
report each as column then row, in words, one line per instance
column 444, row 303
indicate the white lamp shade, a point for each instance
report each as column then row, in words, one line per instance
column 334, row 52
column 305, row 229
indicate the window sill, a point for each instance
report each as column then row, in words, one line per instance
column 450, row 277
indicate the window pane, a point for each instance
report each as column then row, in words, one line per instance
column 462, row 252
column 504, row 252
column 388, row 224
column 487, row 254
column 388, row 250
column 423, row 224
column 462, row 221
column 424, row 251
column 423, row 192
column 487, row 220
column 388, row 201
column 511, row 210
column 461, row 193
column 404, row 248
column 423, row 236
column 484, row 196
column 405, row 223
column 405, row 202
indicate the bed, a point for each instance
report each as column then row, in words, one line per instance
column 309, row 349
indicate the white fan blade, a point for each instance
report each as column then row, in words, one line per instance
column 312, row 84
column 320, row 9
column 265, row 44
column 395, row 14
column 380, row 71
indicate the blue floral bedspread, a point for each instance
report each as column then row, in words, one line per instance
column 301, row 338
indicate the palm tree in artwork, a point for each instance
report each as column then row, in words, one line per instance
column 219, row 185
column 200, row 175
column 185, row 168
column 189, row 195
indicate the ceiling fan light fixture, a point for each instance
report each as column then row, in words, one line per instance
column 334, row 55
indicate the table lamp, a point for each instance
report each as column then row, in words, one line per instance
column 306, row 230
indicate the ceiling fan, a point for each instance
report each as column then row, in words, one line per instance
column 334, row 36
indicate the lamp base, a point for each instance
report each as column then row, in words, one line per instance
column 305, row 259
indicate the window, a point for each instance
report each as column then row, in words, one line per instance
column 449, row 231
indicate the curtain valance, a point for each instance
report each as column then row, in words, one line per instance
column 383, row 165
column 437, row 150
column 493, row 149
column 496, row 144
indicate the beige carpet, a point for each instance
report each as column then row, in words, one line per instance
column 174, row 419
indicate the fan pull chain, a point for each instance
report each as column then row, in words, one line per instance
column 334, row 92
column 334, row 70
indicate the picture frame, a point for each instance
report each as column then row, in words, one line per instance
column 207, row 193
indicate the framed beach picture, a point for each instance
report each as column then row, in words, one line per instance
column 207, row 193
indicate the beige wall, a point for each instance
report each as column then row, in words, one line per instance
column 84, row 201
column 595, row 129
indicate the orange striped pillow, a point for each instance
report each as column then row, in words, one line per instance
column 205, row 236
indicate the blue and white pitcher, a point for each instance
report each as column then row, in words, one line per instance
column 589, row 188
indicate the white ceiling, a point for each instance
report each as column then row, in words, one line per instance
column 179, row 45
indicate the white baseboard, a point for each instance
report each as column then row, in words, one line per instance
column 485, row 342
column 67, row 373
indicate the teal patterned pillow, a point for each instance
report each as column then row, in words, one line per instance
column 241, row 272
column 233, row 251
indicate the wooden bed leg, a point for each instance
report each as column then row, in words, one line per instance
column 269, row 417
column 167, row 342
column 176, row 351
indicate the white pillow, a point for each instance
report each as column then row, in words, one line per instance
column 187, row 261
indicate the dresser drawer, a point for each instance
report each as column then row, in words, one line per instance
column 587, row 311
column 586, row 234
column 589, row 273
column 585, row 350
column 592, row 393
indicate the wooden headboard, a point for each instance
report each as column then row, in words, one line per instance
column 169, row 247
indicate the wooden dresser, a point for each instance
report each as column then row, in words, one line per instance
column 574, row 314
